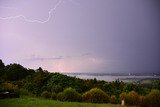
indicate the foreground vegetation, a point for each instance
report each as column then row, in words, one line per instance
column 39, row 102
column 56, row 86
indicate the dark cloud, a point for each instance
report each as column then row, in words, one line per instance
column 98, row 35
column 45, row 58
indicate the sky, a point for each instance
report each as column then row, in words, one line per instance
column 83, row 36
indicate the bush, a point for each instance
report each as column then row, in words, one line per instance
column 123, row 96
column 142, row 101
column 113, row 99
column 69, row 94
column 56, row 88
column 46, row 94
column 53, row 96
column 153, row 98
column 95, row 95
column 23, row 91
column 60, row 96
column 131, row 98
column 8, row 87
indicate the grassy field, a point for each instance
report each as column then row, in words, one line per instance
column 40, row 102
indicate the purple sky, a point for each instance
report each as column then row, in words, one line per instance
column 81, row 35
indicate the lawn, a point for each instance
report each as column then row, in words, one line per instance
column 40, row 102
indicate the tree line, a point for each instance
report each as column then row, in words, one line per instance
column 39, row 82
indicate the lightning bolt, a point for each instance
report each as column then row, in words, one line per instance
column 34, row 21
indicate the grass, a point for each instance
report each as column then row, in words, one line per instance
column 40, row 102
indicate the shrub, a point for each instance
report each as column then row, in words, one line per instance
column 8, row 87
column 56, row 88
column 132, row 98
column 69, row 94
column 113, row 99
column 53, row 96
column 153, row 98
column 46, row 94
column 95, row 95
column 60, row 97
column 23, row 91
column 123, row 96
column 142, row 101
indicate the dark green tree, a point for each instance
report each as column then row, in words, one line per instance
column 15, row 72
column 129, row 87
column 2, row 66
column 156, row 85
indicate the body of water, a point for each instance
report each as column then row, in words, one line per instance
column 113, row 77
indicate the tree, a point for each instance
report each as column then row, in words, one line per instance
column 129, row 87
column 38, row 82
column 107, row 87
column 2, row 66
column 156, row 85
column 56, row 89
column 39, row 69
column 153, row 99
column 15, row 72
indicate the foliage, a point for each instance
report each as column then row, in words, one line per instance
column 129, row 87
column 1, row 64
column 123, row 96
column 60, row 97
column 142, row 101
column 46, row 94
column 153, row 99
column 57, row 81
column 15, row 72
column 53, row 96
column 23, row 91
column 113, row 88
column 36, row 82
column 8, row 87
column 56, row 88
column 131, row 98
column 156, row 85
column 53, row 88
column 113, row 99
column 95, row 95
column 2, row 67
column 69, row 94
column 107, row 87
